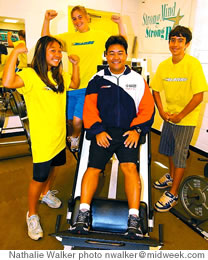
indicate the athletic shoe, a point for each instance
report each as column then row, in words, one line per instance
column 34, row 228
column 134, row 230
column 166, row 202
column 164, row 182
column 74, row 141
column 51, row 200
column 82, row 224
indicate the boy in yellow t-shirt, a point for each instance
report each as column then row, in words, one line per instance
column 182, row 79
column 89, row 45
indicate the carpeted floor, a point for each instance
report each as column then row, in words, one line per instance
column 15, row 175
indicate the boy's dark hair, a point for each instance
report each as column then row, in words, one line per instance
column 21, row 33
column 181, row 31
column 41, row 67
column 116, row 39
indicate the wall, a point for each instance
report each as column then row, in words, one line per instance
column 158, row 46
column 194, row 14
column 199, row 49
column 12, row 26
column 33, row 12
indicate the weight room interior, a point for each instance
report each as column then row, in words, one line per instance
column 15, row 156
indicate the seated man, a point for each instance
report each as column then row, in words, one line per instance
column 118, row 108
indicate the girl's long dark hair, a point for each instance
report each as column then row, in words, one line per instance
column 41, row 67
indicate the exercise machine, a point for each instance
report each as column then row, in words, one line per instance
column 15, row 123
column 192, row 208
column 109, row 214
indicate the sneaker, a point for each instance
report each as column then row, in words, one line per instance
column 134, row 230
column 164, row 182
column 34, row 229
column 51, row 200
column 82, row 224
column 166, row 202
column 74, row 143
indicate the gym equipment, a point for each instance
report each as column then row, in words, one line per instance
column 193, row 195
column 20, row 104
column 7, row 100
column 205, row 167
column 192, row 208
column 109, row 215
column 140, row 66
column 101, row 67
column 135, row 66
column 17, row 124
column 18, row 107
column 16, row 101
column 206, row 170
column 2, row 119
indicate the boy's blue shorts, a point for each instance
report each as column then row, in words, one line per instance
column 75, row 103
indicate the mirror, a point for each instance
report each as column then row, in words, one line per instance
column 13, row 25
column 10, row 24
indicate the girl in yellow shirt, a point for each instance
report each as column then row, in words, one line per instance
column 44, row 88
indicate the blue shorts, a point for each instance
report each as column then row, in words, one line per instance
column 75, row 103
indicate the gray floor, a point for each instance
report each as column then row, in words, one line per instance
column 15, row 175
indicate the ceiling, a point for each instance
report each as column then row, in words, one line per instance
column 20, row 21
